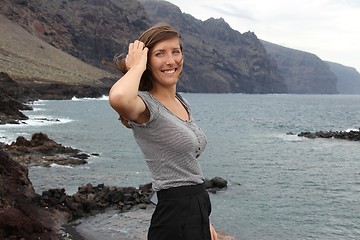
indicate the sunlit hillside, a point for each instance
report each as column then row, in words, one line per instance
column 36, row 60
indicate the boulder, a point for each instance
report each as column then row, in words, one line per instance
column 216, row 183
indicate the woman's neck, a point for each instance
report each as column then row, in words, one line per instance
column 164, row 94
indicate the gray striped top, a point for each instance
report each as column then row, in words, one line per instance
column 170, row 145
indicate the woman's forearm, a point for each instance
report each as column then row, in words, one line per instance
column 123, row 94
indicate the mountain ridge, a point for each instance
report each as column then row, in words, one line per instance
column 219, row 59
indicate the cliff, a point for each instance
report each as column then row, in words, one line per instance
column 303, row 72
column 348, row 78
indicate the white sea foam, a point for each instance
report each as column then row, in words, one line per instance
column 87, row 99
column 43, row 121
column 36, row 109
column 39, row 102
column 352, row 129
column 60, row 166
column 291, row 138
column 9, row 137
column 9, row 132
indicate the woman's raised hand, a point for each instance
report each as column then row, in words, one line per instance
column 137, row 55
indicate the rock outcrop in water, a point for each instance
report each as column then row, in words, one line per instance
column 42, row 151
column 345, row 135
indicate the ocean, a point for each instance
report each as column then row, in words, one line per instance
column 280, row 186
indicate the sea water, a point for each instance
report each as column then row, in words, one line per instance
column 281, row 186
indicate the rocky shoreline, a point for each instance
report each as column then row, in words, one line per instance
column 15, row 95
column 50, row 215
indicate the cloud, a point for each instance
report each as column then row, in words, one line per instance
column 231, row 10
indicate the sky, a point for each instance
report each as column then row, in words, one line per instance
column 329, row 29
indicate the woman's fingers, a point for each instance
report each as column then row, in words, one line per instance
column 137, row 54
column 136, row 45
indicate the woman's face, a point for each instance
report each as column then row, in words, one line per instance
column 166, row 62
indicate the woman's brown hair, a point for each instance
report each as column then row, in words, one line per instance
column 150, row 38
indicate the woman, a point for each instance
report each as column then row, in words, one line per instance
column 147, row 101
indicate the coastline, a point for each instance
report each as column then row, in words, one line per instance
column 70, row 233
column 129, row 225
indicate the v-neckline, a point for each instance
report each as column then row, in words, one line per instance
column 178, row 97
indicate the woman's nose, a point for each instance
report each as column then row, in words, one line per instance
column 169, row 60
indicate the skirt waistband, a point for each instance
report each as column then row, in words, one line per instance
column 182, row 191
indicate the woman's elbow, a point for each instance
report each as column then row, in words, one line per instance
column 115, row 101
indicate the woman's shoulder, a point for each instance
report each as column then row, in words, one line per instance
column 149, row 100
column 146, row 96
column 144, row 93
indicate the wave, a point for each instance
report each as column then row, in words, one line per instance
column 352, row 129
column 10, row 137
column 37, row 109
column 103, row 98
column 9, row 132
column 39, row 121
column 60, row 166
column 39, row 102
column 44, row 120
column 291, row 138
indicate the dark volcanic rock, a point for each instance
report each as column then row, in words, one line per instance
column 41, row 150
column 350, row 135
column 12, row 97
column 20, row 217
column 90, row 199
column 214, row 184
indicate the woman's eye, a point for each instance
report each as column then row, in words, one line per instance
column 176, row 52
column 159, row 54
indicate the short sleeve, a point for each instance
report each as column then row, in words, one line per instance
column 151, row 104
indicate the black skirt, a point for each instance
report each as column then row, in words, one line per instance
column 182, row 213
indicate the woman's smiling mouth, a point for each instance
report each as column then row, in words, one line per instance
column 169, row 71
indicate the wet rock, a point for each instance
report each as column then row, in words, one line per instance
column 89, row 199
column 42, row 151
column 20, row 216
column 215, row 184
column 345, row 135
column 11, row 101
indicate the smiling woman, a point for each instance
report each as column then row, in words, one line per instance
column 148, row 103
